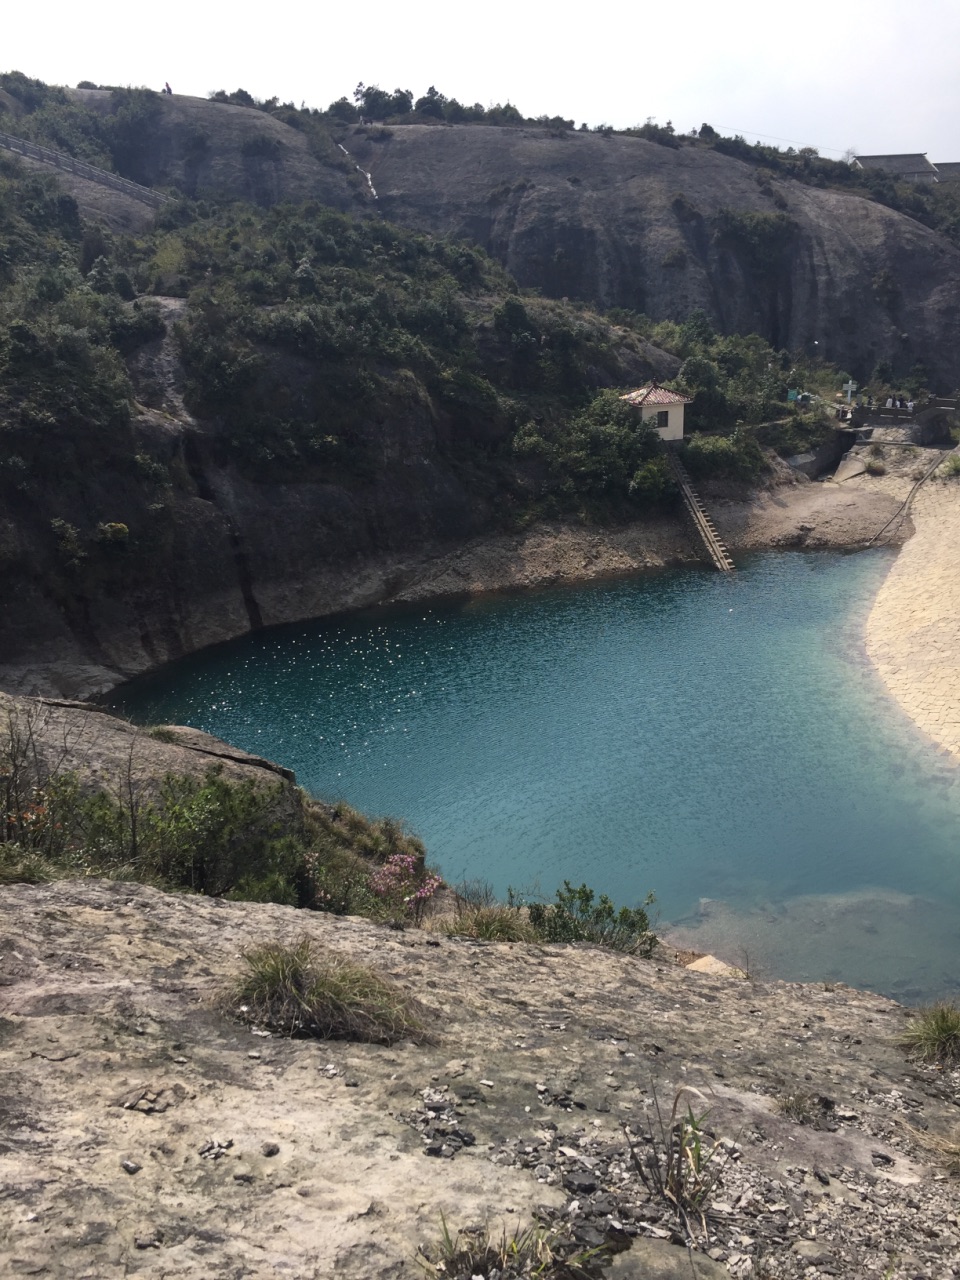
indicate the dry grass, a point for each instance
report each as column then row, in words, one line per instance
column 947, row 1150
column 933, row 1034
column 799, row 1107
column 292, row 990
column 493, row 923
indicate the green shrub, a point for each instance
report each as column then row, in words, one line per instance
column 798, row 433
column 951, row 468
column 737, row 456
column 578, row 915
column 653, row 483
column 113, row 532
column 292, row 990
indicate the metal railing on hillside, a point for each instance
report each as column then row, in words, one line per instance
column 69, row 165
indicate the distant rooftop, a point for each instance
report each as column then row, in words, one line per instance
column 655, row 395
column 909, row 165
column 948, row 170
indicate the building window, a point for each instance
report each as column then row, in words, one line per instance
column 663, row 419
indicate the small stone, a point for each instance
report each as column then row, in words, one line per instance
column 579, row 1183
column 270, row 1149
column 812, row 1252
column 130, row 1166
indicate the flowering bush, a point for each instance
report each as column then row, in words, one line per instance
column 404, row 887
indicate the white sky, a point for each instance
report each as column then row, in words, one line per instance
column 874, row 75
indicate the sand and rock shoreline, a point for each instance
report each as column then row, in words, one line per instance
column 789, row 512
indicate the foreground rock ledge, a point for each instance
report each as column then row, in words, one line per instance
column 138, row 1124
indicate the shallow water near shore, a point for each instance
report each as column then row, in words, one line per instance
column 701, row 736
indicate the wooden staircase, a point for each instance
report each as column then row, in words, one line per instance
column 704, row 526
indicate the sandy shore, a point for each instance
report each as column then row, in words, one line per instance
column 913, row 630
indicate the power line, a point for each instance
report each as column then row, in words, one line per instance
column 772, row 137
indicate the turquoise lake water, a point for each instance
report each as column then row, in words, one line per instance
column 720, row 741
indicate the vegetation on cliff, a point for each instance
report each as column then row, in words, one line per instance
column 393, row 388
column 85, row 794
column 303, row 330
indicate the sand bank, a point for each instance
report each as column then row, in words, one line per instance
column 913, row 630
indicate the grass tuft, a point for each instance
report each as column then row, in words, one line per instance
column 934, row 1033
column 680, row 1166
column 799, row 1107
column 290, row 989
column 947, row 1149
column 494, row 923
column 531, row 1251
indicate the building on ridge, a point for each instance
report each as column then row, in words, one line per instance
column 667, row 407
column 909, row 168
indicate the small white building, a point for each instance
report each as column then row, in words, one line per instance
column 663, row 409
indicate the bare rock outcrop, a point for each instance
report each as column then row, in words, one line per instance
column 145, row 1133
column 624, row 222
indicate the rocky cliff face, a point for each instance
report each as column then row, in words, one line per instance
column 625, row 222
column 216, row 555
column 218, row 150
column 617, row 221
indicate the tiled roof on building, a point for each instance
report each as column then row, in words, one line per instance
column 910, row 165
column 655, row 395
column 948, row 170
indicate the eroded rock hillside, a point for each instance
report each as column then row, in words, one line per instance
column 624, row 222
column 249, row 408
column 614, row 220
